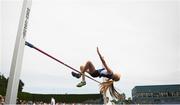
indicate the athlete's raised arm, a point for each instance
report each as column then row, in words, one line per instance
column 103, row 61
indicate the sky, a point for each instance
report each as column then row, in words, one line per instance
column 138, row 38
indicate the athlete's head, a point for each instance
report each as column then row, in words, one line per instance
column 116, row 76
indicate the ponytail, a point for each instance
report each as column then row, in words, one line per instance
column 113, row 92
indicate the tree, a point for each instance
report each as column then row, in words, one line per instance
column 3, row 85
column 4, row 82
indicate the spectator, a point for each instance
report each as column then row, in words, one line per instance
column 1, row 100
column 53, row 101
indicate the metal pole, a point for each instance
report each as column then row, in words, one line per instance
column 15, row 71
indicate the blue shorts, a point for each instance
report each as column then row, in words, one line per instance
column 96, row 73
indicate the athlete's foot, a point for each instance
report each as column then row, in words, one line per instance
column 82, row 83
column 77, row 75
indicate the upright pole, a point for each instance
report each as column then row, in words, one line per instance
column 15, row 71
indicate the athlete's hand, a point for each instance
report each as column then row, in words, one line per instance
column 101, row 57
column 97, row 50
